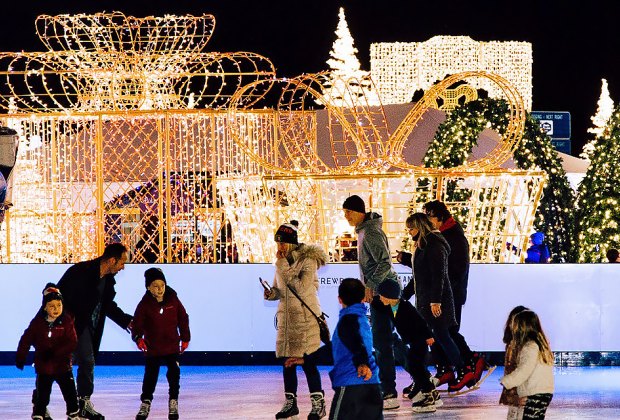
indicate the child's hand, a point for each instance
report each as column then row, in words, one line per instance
column 184, row 345
column 363, row 371
column 430, row 341
column 141, row 344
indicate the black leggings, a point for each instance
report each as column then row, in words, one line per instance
column 151, row 373
column 44, row 388
column 312, row 375
column 536, row 406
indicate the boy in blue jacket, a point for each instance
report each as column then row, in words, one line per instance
column 355, row 376
column 415, row 332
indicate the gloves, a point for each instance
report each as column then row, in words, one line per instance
column 141, row 344
column 184, row 345
column 19, row 365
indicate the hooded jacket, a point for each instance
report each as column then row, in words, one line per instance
column 298, row 330
column 373, row 252
column 53, row 344
column 162, row 324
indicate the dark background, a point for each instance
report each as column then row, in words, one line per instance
column 574, row 46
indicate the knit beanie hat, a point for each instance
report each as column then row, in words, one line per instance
column 354, row 203
column 51, row 292
column 389, row 289
column 286, row 233
column 537, row 238
column 153, row 274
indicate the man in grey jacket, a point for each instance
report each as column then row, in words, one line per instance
column 376, row 267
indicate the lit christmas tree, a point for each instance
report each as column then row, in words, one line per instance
column 456, row 138
column 348, row 81
column 598, row 206
column 603, row 113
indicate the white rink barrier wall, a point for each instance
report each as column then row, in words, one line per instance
column 578, row 303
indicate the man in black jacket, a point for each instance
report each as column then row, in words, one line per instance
column 88, row 291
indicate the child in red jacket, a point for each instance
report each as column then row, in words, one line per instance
column 161, row 331
column 52, row 334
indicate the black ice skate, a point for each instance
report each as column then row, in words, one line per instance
column 47, row 415
column 318, row 406
column 87, row 410
column 289, row 409
column 173, row 409
column 143, row 412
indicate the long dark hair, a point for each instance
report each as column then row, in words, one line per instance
column 526, row 327
column 423, row 224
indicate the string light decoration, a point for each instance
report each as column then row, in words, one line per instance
column 401, row 68
column 143, row 137
column 367, row 159
column 603, row 113
column 599, row 200
column 454, row 142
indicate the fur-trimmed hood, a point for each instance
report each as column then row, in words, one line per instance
column 310, row 251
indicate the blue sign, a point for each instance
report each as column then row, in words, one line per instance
column 555, row 123
column 561, row 145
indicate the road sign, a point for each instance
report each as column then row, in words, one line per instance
column 555, row 123
column 561, row 145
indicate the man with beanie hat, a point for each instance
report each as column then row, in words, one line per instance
column 375, row 268
column 415, row 332
column 88, row 291
column 161, row 331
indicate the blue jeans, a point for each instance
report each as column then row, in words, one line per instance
column 84, row 357
column 382, row 325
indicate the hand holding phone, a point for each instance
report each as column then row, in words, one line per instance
column 265, row 285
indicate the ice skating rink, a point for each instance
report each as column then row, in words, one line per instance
column 255, row 392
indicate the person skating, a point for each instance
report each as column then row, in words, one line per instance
column 52, row 334
column 433, row 292
column 414, row 332
column 161, row 331
column 376, row 267
column 298, row 338
column 88, row 291
column 355, row 373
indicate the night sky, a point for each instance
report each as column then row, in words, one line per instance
column 574, row 47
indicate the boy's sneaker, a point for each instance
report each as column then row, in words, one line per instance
column 437, row 398
column 143, row 412
column 87, row 410
column 289, row 409
column 444, row 375
column 173, row 409
column 465, row 377
column 425, row 405
column 390, row 401
column 318, row 406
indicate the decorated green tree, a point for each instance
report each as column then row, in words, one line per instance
column 598, row 206
column 456, row 138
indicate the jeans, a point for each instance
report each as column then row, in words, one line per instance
column 458, row 339
column 151, row 373
column 382, row 324
column 442, row 335
column 313, row 377
column 84, row 357
column 44, row 389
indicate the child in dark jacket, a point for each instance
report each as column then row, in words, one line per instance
column 161, row 331
column 52, row 334
column 415, row 332
column 355, row 376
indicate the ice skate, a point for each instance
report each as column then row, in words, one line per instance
column 425, row 405
column 47, row 415
column 173, row 409
column 443, row 376
column 318, row 406
column 73, row 416
column 289, row 409
column 87, row 410
column 143, row 412
column 390, row 401
column 464, row 378
column 408, row 390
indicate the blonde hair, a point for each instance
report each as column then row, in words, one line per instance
column 526, row 327
column 422, row 224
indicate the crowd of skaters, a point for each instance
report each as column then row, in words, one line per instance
column 365, row 351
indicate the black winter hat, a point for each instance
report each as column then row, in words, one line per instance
column 354, row 203
column 50, row 293
column 286, row 233
column 389, row 289
column 153, row 274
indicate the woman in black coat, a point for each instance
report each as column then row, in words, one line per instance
column 432, row 288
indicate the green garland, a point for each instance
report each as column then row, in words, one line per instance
column 599, row 197
column 456, row 138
